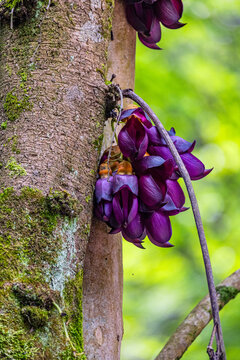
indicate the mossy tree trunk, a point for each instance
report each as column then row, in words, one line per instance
column 53, row 69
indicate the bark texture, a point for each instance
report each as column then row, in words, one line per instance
column 102, row 283
column 52, row 103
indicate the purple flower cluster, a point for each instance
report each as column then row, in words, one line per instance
column 145, row 17
column 138, row 188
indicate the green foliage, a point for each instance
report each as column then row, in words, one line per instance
column 193, row 85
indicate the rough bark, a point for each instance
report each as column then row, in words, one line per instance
column 52, row 103
column 102, row 285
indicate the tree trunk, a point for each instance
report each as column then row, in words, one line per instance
column 102, row 285
column 53, row 70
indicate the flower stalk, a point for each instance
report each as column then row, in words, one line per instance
column 220, row 352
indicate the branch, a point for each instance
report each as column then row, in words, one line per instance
column 220, row 353
column 198, row 319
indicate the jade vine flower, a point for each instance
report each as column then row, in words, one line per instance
column 138, row 190
column 145, row 17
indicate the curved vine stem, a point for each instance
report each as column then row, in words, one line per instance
column 220, row 352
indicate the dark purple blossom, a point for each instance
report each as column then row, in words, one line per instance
column 103, row 196
column 135, row 231
column 153, row 171
column 133, row 139
column 158, row 228
column 174, row 198
column 158, row 147
column 125, row 192
column 103, row 210
column 145, row 17
column 139, row 191
column 138, row 113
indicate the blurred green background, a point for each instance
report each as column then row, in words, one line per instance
column 193, row 85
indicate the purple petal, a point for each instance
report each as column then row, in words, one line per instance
column 193, row 165
column 107, row 210
column 149, row 45
column 182, row 145
column 176, row 193
column 162, row 245
column 149, row 191
column 154, row 137
column 176, row 25
column 138, row 112
column 124, row 195
column 170, row 208
column 135, row 228
column 117, row 210
column 158, row 228
column 133, row 209
column 135, row 242
column 134, row 18
column 113, row 223
column 205, row 173
column 103, row 189
column 161, row 173
column 143, row 117
column 125, row 181
column 126, row 113
column 162, row 151
column 103, row 210
column 115, row 231
column 145, row 210
column 133, row 139
column 152, row 23
column 172, row 131
column 168, row 11
column 98, row 210
column 148, row 162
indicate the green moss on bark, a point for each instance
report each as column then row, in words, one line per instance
column 27, row 232
column 14, row 106
column 73, row 300
column 13, row 344
column 14, row 168
column 107, row 20
column 226, row 293
column 30, row 327
column 34, row 316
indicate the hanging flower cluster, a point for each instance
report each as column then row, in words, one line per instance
column 145, row 17
column 138, row 190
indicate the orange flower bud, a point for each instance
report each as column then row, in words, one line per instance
column 104, row 170
column 125, row 168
